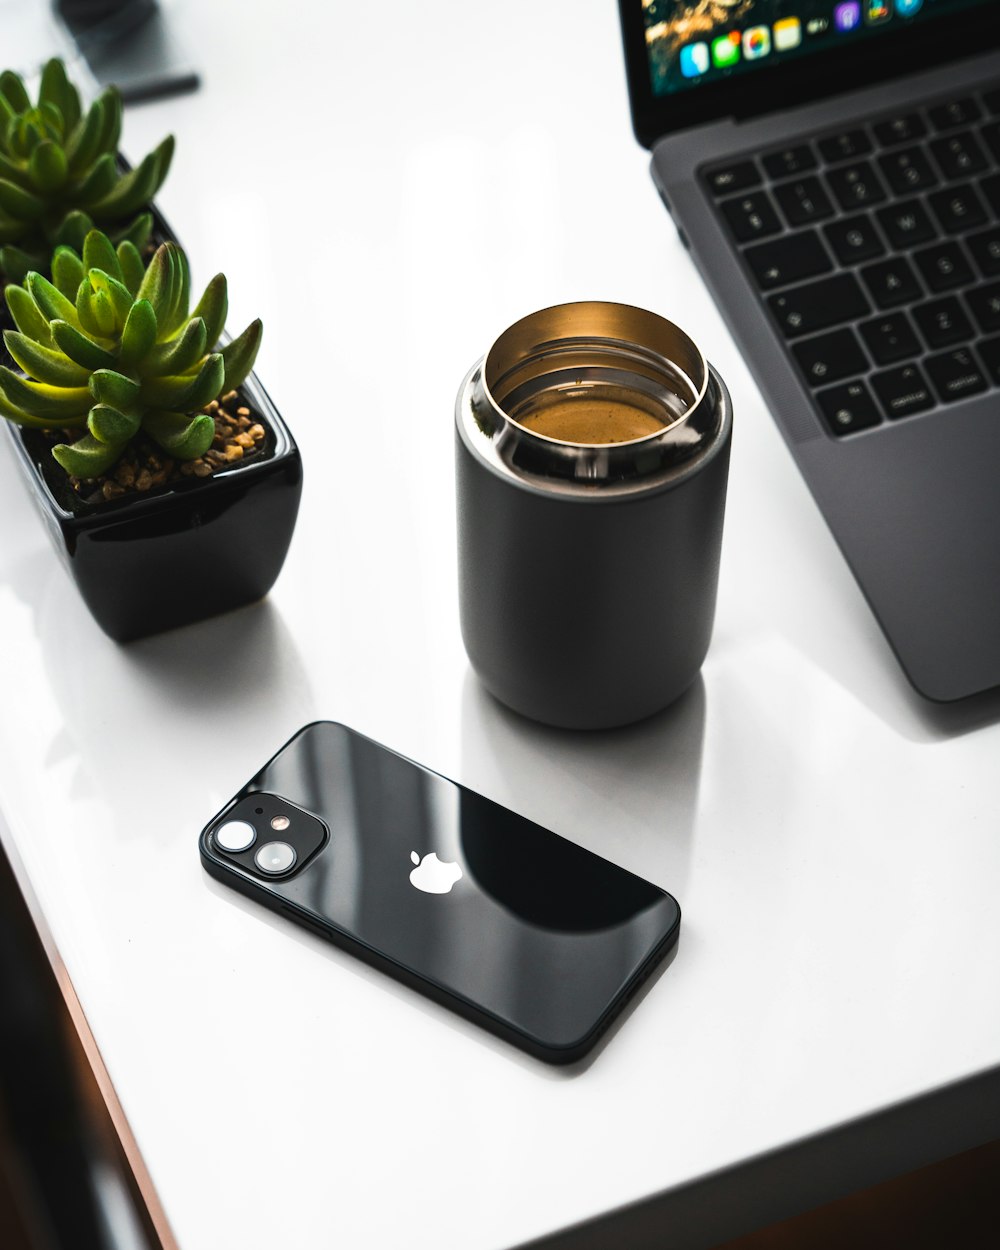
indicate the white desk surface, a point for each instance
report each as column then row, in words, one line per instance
column 388, row 186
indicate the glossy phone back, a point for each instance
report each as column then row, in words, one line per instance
column 504, row 921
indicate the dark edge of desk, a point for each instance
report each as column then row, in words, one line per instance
column 132, row 1156
column 798, row 1178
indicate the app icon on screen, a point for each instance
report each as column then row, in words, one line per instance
column 877, row 11
column 726, row 50
column 756, row 43
column 787, row 34
column 847, row 16
column 907, row 8
column 694, row 60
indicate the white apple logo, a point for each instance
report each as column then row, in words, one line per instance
column 433, row 875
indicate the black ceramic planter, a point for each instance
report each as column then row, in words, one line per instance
column 144, row 564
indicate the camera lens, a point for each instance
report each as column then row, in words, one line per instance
column 235, row 835
column 275, row 857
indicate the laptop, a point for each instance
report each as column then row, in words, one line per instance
column 834, row 169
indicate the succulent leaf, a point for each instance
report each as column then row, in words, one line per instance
column 54, row 88
column 180, row 298
column 61, row 405
column 12, row 171
column 77, row 346
column 28, row 318
column 44, row 363
column 48, row 166
column 239, row 355
column 110, row 426
column 137, row 187
column 15, row 263
column 50, row 300
column 131, row 265
column 118, row 293
column 138, row 335
column 181, row 353
column 13, row 88
column 88, row 457
column 98, row 253
column 213, row 308
column 99, row 181
column 110, row 387
column 100, row 355
column 103, row 310
column 72, row 230
column 83, row 142
column 139, row 232
column 19, row 203
column 67, row 271
column 188, row 392
column 183, row 437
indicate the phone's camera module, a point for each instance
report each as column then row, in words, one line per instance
column 235, row 835
column 275, row 858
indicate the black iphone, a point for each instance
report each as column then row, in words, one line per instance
column 505, row 922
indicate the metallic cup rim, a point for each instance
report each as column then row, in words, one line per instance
column 599, row 334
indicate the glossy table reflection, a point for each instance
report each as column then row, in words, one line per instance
column 832, row 839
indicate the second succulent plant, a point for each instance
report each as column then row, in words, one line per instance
column 60, row 173
column 109, row 347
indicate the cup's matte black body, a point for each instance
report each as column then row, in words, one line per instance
column 539, row 941
column 588, row 612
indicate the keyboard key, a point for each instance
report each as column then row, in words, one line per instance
column 856, row 186
column 891, row 282
column 729, row 178
column 989, row 354
column 985, row 305
column 854, row 239
column 908, row 170
column 990, row 187
column 848, row 408
column 844, row 147
column 890, row 338
column 943, row 322
column 818, row 305
column 960, row 155
column 900, row 130
column 902, row 391
column 830, row 357
column 906, row 224
column 789, row 161
column 751, row 216
column 959, row 208
column 803, row 201
column 943, row 267
column 991, row 136
column 985, row 249
column 954, row 113
column 792, row 258
column 955, row 375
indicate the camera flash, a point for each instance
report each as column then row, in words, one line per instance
column 280, row 822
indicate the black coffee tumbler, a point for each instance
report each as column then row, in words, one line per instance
column 592, row 458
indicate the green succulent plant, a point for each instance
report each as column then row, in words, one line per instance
column 109, row 346
column 60, row 175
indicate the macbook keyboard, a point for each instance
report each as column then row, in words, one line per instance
column 876, row 250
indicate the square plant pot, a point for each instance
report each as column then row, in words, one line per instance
column 146, row 563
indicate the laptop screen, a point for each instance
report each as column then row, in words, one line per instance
column 691, row 43
column 691, row 60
